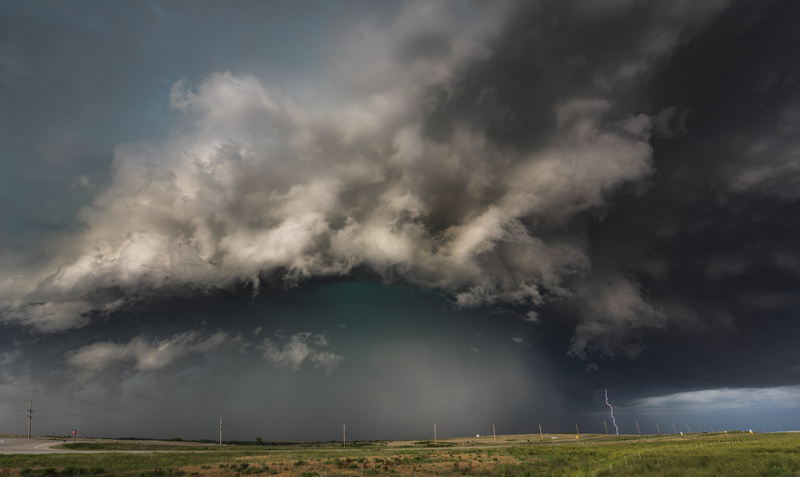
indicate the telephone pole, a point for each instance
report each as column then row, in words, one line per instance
column 30, row 411
column 344, row 435
column 220, row 431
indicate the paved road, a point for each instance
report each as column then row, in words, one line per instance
column 29, row 446
column 45, row 446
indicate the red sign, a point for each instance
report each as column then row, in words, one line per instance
column 74, row 431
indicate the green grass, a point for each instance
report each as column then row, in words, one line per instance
column 715, row 455
column 691, row 455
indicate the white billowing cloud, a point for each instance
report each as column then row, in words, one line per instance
column 143, row 354
column 260, row 183
column 267, row 184
column 300, row 348
column 784, row 397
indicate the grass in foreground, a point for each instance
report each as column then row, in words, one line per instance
column 691, row 455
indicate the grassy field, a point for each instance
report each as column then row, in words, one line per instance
column 557, row 455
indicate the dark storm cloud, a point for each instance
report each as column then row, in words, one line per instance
column 712, row 241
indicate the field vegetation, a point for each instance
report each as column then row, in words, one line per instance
column 732, row 454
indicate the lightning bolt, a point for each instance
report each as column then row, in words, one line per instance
column 612, row 413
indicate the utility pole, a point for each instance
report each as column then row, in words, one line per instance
column 637, row 428
column 30, row 411
column 658, row 429
column 434, row 435
column 344, row 435
column 606, row 427
column 673, row 428
column 540, row 433
column 220, row 431
column 494, row 434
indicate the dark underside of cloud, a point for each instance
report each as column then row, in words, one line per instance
column 620, row 179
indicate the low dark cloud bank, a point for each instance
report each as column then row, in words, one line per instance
column 598, row 195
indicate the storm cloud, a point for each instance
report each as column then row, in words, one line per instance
column 600, row 191
column 396, row 178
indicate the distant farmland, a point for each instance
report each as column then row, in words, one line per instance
column 718, row 454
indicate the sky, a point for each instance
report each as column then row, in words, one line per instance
column 299, row 215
